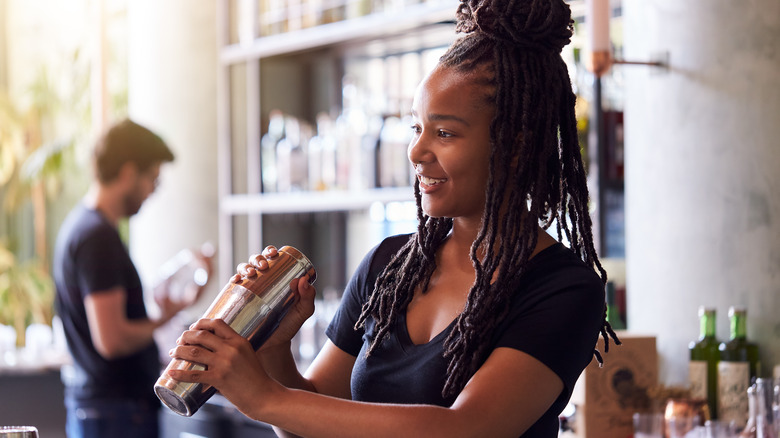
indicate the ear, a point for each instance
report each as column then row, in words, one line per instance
column 128, row 173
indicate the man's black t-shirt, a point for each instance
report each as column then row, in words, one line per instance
column 89, row 257
column 555, row 316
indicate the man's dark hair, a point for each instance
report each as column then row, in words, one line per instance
column 537, row 176
column 126, row 142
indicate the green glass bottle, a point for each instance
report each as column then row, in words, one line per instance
column 613, row 312
column 739, row 363
column 704, row 357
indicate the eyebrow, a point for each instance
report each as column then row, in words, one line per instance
column 436, row 117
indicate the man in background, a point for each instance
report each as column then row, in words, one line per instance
column 100, row 298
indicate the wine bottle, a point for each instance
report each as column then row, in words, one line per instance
column 704, row 357
column 739, row 363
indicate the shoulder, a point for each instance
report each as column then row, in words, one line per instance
column 85, row 233
column 556, row 312
column 558, row 283
column 380, row 255
column 374, row 262
column 84, row 223
column 559, row 269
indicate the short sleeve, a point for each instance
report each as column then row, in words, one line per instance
column 101, row 261
column 341, row 330
column 557, row 323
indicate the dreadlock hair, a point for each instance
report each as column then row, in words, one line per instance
column 536, row 172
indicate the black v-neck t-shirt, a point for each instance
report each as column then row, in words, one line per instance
column 555, row 316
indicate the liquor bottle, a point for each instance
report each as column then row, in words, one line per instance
column 613, row 312
column 269, row 171
column 739, row 363
column 704, row 357
column 291, row 159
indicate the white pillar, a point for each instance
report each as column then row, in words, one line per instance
column 702, row 149
column 172, row 90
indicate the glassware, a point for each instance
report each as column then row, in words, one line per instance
column 648, row 425
column 766, row 425
column 682, row 415
column 776, row 404
column 186, row 272
column 719, row 429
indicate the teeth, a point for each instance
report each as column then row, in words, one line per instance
column 430, row 181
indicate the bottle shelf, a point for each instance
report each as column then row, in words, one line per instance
column 308, row 202
column 376, row 25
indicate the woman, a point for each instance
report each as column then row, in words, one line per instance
column 480, row 323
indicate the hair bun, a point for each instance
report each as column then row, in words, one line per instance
column 531, row 24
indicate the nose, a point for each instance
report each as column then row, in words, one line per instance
column 418, row 152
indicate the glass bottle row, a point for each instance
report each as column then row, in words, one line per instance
column 281, row 16
column 722, row 372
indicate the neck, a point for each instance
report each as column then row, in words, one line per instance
column 464, row 233
column 103, row 199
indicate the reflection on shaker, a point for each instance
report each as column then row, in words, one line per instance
column 253, row 308
column 18, row 432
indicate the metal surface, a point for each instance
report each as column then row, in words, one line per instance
column 253, row 308
column 18, row 432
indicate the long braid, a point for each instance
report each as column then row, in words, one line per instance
column 536, row 177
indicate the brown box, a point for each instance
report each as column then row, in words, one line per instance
column 606, row 398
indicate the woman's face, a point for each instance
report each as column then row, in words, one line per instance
column 450, row 147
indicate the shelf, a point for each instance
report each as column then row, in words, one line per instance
column 413, row 17
column 306, row 202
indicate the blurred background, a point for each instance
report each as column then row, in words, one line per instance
column 287, row 122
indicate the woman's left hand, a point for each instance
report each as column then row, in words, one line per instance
column 232, row 366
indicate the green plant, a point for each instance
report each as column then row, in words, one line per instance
column 35, row 158
column 26, row 294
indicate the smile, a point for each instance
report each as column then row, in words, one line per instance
column 430, row 181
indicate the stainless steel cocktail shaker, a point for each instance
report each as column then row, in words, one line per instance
column 253, row 308
column 18, row 432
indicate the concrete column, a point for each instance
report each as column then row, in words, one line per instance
column 172, row 90
column 702, row 149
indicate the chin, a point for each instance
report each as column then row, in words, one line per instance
column 434, row 214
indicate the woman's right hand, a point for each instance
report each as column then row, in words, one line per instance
column 301, row 310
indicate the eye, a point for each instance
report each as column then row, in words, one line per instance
column 444, row 134
column 416, row 129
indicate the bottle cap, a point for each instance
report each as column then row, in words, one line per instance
column 706, row 309
column 737, row 309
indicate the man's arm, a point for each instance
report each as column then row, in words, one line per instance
column 113, row 334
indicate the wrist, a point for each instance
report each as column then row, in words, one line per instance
column 274, row 399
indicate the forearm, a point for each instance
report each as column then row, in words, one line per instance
column 302, row 413
column 130, row 337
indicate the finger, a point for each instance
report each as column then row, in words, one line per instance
column 270, row 251
column 187, row 376
column 246, row 270
column 216, row 326
column 192, row 353
column 304, row 285
column 257, row 261
column 200, row 338
column 236, row 278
